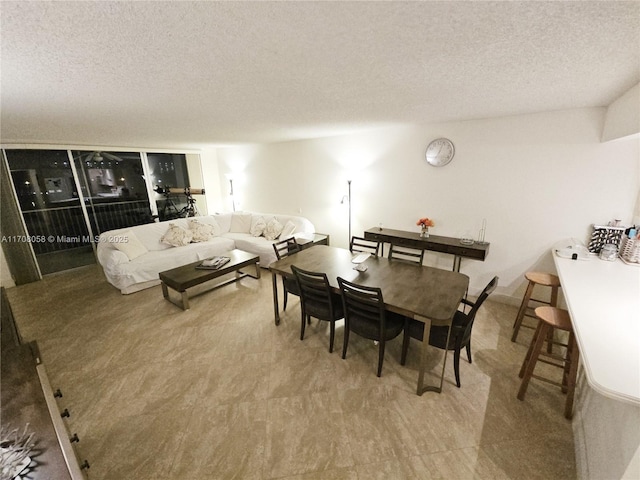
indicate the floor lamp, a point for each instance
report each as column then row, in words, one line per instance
column 233, row 200
column 348, row 199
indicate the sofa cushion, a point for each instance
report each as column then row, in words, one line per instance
column 177, row 236
column 201, row 232
column 258, row 224
column 240, row 223
column 128, row 243
column 273, row 229
column 288, row 229
column 224, row 220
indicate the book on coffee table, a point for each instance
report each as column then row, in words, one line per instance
column 213, row 263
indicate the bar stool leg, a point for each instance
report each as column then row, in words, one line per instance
column 531, row 364
column 530, row 350
column 573, row 374
column 522, row 311
column 553, row 301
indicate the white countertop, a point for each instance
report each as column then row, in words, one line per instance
column 603, row 299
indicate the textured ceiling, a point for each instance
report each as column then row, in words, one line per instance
column 189, row 74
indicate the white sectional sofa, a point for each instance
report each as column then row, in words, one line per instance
column 132, row 258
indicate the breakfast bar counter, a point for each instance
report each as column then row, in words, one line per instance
column 603, row 299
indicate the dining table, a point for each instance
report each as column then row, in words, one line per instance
column 427, row 294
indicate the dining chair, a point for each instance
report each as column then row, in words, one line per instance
column 283, row 249
column 365, row 315
column 406, row 254
column 361, row 244
column 460, row 330
column 317, row 301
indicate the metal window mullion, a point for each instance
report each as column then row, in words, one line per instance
column 85, row 213
column 147, row 180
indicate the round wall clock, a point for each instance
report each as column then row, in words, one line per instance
column 440, row 152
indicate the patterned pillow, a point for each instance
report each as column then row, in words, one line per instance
column 177, row 236
column 201, row 232
column 273, row 229
column 211, row 220
column 258, row 224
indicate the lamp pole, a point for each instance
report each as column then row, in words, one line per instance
column 233, row 200
column 349, row 239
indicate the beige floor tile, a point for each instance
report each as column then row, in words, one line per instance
column 306, row 433
column 219, row 391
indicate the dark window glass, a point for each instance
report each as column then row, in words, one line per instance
column 114, row 189
column 169, row 178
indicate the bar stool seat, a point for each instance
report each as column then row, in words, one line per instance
column 550, row 318
column 526, row 310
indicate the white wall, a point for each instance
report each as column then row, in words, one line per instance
column 623, row 116
column 537, row 179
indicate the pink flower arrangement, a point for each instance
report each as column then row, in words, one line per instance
column 425, row 222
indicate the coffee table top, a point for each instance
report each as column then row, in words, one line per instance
column 185, row 276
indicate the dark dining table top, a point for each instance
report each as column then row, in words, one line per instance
column 411, row 290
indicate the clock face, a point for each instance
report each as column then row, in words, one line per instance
column 440, row 152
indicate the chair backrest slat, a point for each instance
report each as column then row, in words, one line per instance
column 406, row 254
column 314, row 286
column 488, row 290
column 361, row 244
column 362, row 302
column 286, row 247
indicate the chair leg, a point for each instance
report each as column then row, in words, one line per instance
column 456, row 366
column 285, row 295
column 456, row 359
column 522, row 311
column 406, row 338
column 469, row 350
column 332, row 334
column 380, row 356
column 345, row 343
column 531, row 364
column 303, row 323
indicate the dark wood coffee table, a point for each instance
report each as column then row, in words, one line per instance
column 187, row 276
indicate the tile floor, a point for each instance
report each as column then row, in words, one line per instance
column 219, row 391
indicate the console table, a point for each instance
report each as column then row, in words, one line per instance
column 434, row 243
column 318, row 239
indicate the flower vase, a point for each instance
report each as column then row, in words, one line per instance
column 425, row 232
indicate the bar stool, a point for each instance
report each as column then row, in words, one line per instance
column 548, row 319
column 535, row 278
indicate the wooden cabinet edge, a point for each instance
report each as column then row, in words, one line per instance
column 58, row 424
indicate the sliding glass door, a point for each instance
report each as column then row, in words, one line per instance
column 68, row 198
column 51, row 208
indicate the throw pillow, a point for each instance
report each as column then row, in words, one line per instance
column 201, row 232
column 240, row 223
column 288, row 230
column 258, row 225
column 129, row 244
column 177, row 236
column 211, row 220
column 273, row 229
